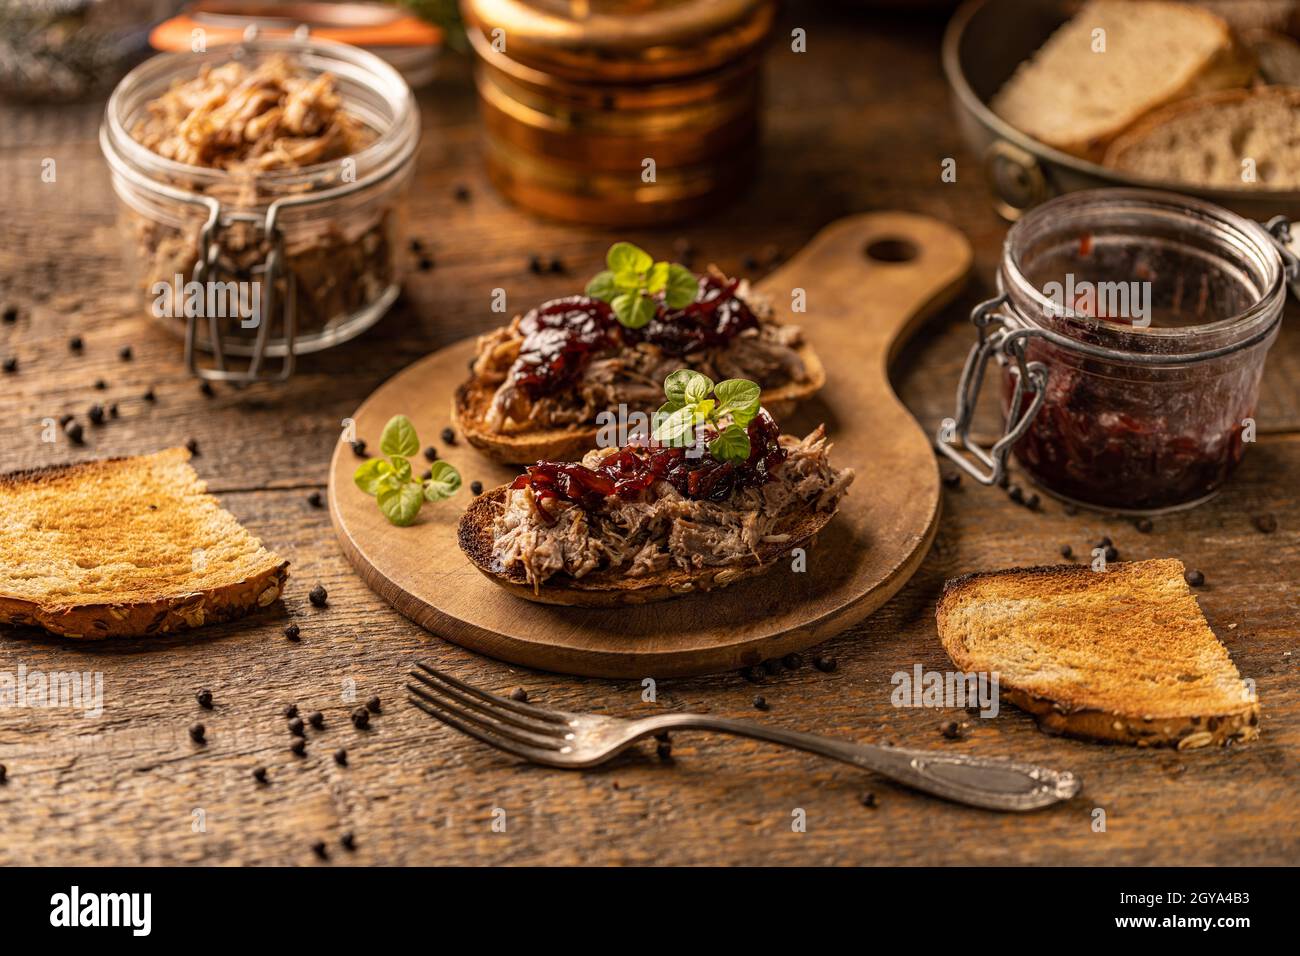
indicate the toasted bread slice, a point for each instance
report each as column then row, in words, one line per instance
column 1123, row 655
column 472, row 399
column 1205, row 141
column 613, row 588
column 126, row 547
column 1078, row 100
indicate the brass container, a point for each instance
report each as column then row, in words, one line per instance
column 578, row 95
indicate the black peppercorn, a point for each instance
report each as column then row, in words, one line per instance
column 1105, row 543
column 359, row 448
column 296, row 727
column 96, row 414
column 192, row 446
column 461, row 193
column 75, row 344
column 372, row 705
column 752, row 674
column 417, row 245
column 1015, row 493
column 826, row 664
column 315, row 500
column 792, row 661
column 869, row 800
column 951, row 479
column 259, row 774
column 1194, row 578
column 319, row 849
column 760, row 703
column 431, row 454
column 349, row 841
column 206, row 388
column 197, row 733
column 361, row 718
column 557, row 266
column 341, row 757
column 476, row 487
column 204, row 697
column 100, row 385
column 1067, row 551
column 950, row 729
column 125, row 354
column 149, row 396
column 664, row 749
column 426, row 263
column 316, row 719
column 449, row 435
column 519, row 694
column 1032, row 502
column 10, row 314
column 112, row 410
column 4, row 773
column 1266, row 523
column 1112, row 554
column 298, row 747
column 292, row 632
column 74, row 432
column 1143, row 525
column 291, row 710
column 535, row 265
column 318, row 596
column 10, row 365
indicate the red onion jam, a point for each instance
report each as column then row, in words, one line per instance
column 563, row 335
column 634, row 468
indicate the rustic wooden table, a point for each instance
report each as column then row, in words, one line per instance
column 859, row 122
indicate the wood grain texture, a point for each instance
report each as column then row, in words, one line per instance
column 859, row 122
column 859, row 311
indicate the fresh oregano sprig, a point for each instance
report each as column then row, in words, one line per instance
column 632, row 281
column 389, row 480
column 727, row 407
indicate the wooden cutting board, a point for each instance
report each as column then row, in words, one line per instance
column 868, row 281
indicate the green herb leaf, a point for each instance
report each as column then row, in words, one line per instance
column 739, row 398
column 399, row 438
column 625, row 257
column 657, row 278
column 731, row 444
column 602, row 286
column 370, row 473
column 682, row 287
column 677, row 384
column 633, row 310
column 675, row 425
column 401, row 505
column 443, row 482
column 401, row 468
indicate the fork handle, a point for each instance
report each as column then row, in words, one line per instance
column 978, row 781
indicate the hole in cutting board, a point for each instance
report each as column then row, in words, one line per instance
column 892, row 249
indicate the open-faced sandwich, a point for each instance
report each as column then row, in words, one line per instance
column 538, row 384
column 712, row 494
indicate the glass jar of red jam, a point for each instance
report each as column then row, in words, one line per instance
column 1131, row 331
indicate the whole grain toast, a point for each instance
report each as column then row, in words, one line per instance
column 1078, row 98
column 613, row 588
column 1121, row 655
column 473, row 398
column 126, row 547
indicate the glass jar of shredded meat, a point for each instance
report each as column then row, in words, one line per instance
column 260, row 192
column 1131, row 331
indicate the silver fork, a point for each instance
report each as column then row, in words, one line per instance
column 557, row 738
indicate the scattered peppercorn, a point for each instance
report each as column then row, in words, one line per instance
column 426, row 474
column 192, row 446
column 752, row 674
column 950, row 729
column 4, row 772
column 197, row 733
column 417, row 245
column 341, row 757
column 1015, row 493
column 359, row 448
column 449, row 435
column 10, row 314
column 319, row 849
column 535, row 265
column 771, row 667
column 951, row 479
column 826, row 664
column 206, row 388
column 361, row 718
column 1032, row 502
column 1266, row 523
column 204, row 697
column 476, row 487
column 100, row 385
column 125, row 353
column 298, row 747
column 1143, row 525
column 64, row 419
column 292, row 632
column 663, row 736
column 11, row 365
column 291, row 710
column 74, row 432
column 96, row 414
column 296, row 727
column 259, row 774
column 112, row 410
column 1105, row 542
column 349, row 841
column 792, row 661
column 461, row 193
column 316, row 719
column 557, row 267
column 426, row 263
column 372, row 705
column 1112, row 553
column 760, row 702
column 1067, row 551
column 75, row 344
column 1194, row 578
column 664, row 749
column 869, row 800
column 519, row 694
column 431, row 454
column 318, row 596
column 149, row 396
column 315, row 500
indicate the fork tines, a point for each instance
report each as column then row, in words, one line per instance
column 510, row 725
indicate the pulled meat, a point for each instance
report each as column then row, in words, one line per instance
column 271, row 117
column 631, row 373
column 663, row 529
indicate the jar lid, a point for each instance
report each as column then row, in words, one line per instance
column 624, row 41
